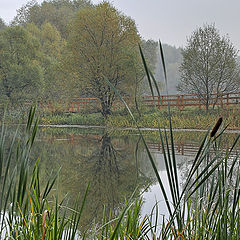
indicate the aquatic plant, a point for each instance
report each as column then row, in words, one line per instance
column 27, row 209
column 207, row 206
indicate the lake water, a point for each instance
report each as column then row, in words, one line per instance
column 114, row 163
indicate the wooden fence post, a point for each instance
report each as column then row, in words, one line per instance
column 182, row 104
column 221, row 99
column 159, row 107
column 228, row 101
column 178, row 102
column 162, row 102
column 182, row 149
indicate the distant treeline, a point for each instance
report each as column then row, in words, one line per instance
column 35, row 52
column 61, row 49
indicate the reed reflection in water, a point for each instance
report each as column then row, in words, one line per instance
column 114, row 165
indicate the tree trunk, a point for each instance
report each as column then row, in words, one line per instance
column 106, row 109
column 136, row 102
column 207, row 103
column 215, row 102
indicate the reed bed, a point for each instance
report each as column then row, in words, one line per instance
column 206, row 206
column 193, row 118
column 27, row 210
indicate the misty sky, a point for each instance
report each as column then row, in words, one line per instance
column 170, row 20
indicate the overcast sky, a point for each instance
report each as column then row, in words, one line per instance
column 170, row 20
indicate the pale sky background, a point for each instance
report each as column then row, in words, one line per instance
column 169, row 20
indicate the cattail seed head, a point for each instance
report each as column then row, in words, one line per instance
column 216, row 127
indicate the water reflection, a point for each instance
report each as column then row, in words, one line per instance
column 114, row 166
column 106, row 162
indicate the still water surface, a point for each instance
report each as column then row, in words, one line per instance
column 114, row 163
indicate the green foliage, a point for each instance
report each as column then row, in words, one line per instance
column 77, row 118
column 51, row 44
column 207, row 205
column 56, row 12
column 103, row 45
column 21, row 77
column 2, row 24
column 209, row 65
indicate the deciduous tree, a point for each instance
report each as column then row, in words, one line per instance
column 103, row 43
column 21, row 76
column 56, row 12
column 209, row 65
column 2, row 24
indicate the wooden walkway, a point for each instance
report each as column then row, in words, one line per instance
column 179, row 101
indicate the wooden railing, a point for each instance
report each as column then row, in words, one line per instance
column 78, row 104
column 180, row 101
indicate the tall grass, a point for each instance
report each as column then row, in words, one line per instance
column 26, row 212
column 30, row 211
column 207, row 206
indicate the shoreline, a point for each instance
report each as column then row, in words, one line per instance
column 132, row 128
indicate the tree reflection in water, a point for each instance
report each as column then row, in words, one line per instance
column 113, row 176
column 107, row 163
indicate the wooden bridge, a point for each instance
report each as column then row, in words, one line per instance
column 180, row 101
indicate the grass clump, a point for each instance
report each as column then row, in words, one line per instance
column 193, row 119
column 73, row 119
column 28, row 211
column 207, row 206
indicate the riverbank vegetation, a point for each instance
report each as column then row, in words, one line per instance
column 206, row 205
column 34, row 55
column 187, row 119
column 48, row 41
column 41, row 51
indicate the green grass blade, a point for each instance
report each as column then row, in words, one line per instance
column 147, row 71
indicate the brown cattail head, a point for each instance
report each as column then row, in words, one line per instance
column 216, row 127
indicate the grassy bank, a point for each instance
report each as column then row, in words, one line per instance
column 192, row 118
column 206, row 206
column 29, row 208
